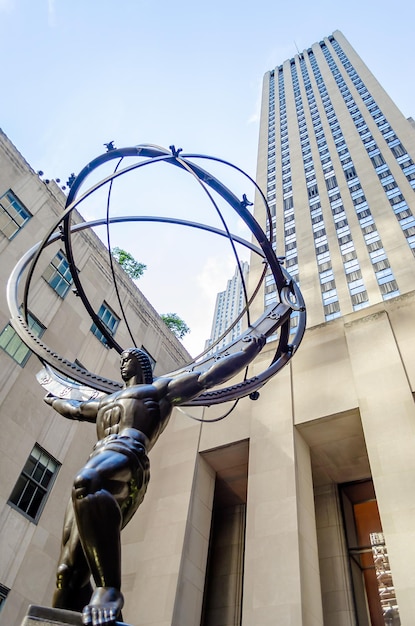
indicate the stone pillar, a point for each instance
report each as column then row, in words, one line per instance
column 335, row 578
column 282, row 584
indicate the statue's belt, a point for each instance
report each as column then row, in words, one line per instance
column 126, row 445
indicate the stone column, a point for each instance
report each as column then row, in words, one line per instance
column 282, row 584
column 335, row 577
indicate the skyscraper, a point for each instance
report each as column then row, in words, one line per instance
column 229, row 304
column 335, row 161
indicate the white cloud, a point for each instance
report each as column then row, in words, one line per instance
column 51, row 13
column 214, row 276
column 254, row 118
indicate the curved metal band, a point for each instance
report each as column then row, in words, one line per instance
column 156, row 154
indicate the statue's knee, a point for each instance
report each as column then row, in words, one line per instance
column 63, row 576
column 87, row 482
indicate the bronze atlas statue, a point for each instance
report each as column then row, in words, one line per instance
column 130, row 418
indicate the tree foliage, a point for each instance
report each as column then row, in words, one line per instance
column 177, row 326
column 133, row 268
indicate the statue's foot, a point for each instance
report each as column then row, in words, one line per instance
column 104, row 607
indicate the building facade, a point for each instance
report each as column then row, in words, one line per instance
column 336, row 162
column 299, row 507
column 229, row 304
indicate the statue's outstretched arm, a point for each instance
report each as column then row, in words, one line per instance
column 74, row 409
column 189, row 385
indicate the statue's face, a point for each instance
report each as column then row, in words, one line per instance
column 130, row 366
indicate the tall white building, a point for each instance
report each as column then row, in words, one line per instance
column 229, row 304
column 335, row 161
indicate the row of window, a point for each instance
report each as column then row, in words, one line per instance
column 329, row 295
column 397, row 149
column 383, row 272
column 357, row 290
column 13, row 216
column 290, row 234
column 366, row 220
column 385, row 176
column 11, row 343
column 343, row 231
column 270, row 292
column 387, row 285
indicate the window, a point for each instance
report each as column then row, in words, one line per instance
column 13, row 215
column 331, row 310
column 14, row 346
column 109, row 319
column 398, row 150
column 353, row 276
column 3, row 595
column 58, row 275
column 288, row 203
column 328, row 285
column 389, row 289
column 312, row 191
column 34, row 483
column 350, row 173
column 152, row 359
column 377, row 160
column 360, row 301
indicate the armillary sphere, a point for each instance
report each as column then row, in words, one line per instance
column 275, row 321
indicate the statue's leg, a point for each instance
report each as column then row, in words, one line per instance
column 100, row 490
column 73, row 588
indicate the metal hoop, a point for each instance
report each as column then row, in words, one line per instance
column 277, row 317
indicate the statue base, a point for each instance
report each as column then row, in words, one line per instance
column 46, row 616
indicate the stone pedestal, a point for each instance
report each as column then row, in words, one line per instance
column 46, row 616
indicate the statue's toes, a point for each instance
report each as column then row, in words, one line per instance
column 98, row 616
column 110, row 616
column 87, row 616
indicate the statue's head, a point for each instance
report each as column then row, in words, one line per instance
column 143, row 364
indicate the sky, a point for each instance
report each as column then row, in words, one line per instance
column 78, row 74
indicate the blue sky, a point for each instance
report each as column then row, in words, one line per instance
column 78, row 73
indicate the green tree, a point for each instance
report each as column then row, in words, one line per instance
column 177, row 326
column 133, row 268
